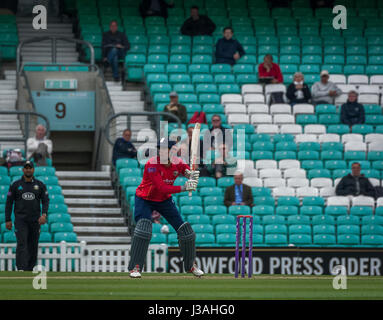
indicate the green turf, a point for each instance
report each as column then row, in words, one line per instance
column 16, row 285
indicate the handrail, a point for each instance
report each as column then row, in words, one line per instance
column 137, row 113
column 26, row 125
column 53, row 41
column 100, row 130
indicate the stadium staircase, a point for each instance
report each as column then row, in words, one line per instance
column 95, row 212
column 42, row 51
column 9, row 124
column 128, row 98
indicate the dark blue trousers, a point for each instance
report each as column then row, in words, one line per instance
column 113, row 56
column 144, row 208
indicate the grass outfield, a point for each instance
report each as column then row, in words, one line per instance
column 16, row 285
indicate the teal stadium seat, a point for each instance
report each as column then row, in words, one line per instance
column 239, row 210
column 61, row 227
column 347, row 220
column 273, row 219
column 323, row 219
column 276, row 239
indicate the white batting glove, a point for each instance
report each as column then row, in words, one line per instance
column 192, row 174
column 190, row 185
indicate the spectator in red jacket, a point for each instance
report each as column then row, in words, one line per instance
column 270, row 69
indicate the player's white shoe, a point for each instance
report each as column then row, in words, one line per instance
column 196, row 271
column 135, row 273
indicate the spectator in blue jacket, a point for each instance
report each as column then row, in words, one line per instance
column 123, row 148
column 228, row 50
column 352, row 112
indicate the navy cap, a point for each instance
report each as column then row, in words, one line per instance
column 28, row 164
column 163, row 143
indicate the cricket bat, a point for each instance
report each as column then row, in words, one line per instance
column 194, row 148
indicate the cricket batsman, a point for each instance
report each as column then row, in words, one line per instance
column 154, row 193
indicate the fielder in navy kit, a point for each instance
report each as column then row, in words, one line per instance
column 26, row 194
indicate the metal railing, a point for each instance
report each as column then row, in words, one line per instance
column 54, row 51
column 128, row 114
column 27, row 115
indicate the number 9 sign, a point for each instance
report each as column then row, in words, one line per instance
column 61, row 110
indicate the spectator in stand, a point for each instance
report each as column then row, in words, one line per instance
column 352, row 112
column 197, row 25
column 175, row 108
column 222, row 162
column 355, row 184
column 324, row 91
column 298, row 91
column 39, row 147
column 227, row 49
column 238, row 194
column 123, row 147
column 217, row 131
column 114, row 47
column 149, row 8
column 270, row 69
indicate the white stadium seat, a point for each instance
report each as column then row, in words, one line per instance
column 294, row 173
column 368, row 99
column 270, row 173
column 254, row 98
column 363, row 201
column 375, row 182
column 247, row 168
column 269, row 88
column 329, row 137
column 336, row 181
column 253, row 182
column 315, row 129
column 376, row 80
column 379, row 202
column 267, row 128
column 291, row 129
column 375, row 146
column 327, row 192
column 289, row 164
column 307, row 192
column 357, row 79
column 266, row 164
column 321, row 182
column 278, row 108
column 257, row 108
column 235, row 108
column 283, row 192
column 251, row 88
column 238, row 118
column 368, row 89
column 306, row 138
column 346, row 87
column 297, row 182
column 274, row 182
column 338, row 201
column 337, row 78
column 283, row 119
column 261, row 118
column 352, row 137
column 342, row 98
column 373, row 137
column 355, row 146
column 231, row 98
column 303, row 108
